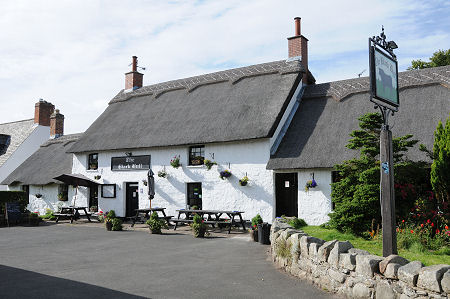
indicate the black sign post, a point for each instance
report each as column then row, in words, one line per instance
column 384, row 94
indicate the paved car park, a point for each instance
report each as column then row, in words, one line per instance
column 81, row 261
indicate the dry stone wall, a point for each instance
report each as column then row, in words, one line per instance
column 339, row 268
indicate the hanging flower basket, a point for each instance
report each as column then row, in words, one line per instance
column 97, row 177
column 175, row 162
column 209, row 164
column 244, row 181
column 225, row 174
column 38, row 195
column 310, row 184
column 162, row 174
column 145, row 182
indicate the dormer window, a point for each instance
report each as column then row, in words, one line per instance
column 196, row 155
column 93, row 161
column 4, row 143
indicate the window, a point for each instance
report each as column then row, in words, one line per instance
column 93, row 161
column 63, row 192
column 196, row 155
column 109, row 190
column 4, row 143
column 194, row 195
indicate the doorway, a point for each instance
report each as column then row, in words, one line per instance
column 286, row 194
column 132, row 199
column 194, row 195
column 93, row 198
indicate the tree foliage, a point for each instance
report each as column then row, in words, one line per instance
column 439, row 58
column 356, row 194
column 440, row 169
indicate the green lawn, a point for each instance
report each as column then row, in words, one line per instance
column 376, row 246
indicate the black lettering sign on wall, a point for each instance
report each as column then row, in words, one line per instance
column 130, row 163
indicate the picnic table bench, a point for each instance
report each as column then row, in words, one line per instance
column 72, row 213
column 146, row 213
column 213, row 217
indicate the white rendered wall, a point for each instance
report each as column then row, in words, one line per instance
column 314, row 205
column 49, row 199
column 31, row 144
column 240, row 158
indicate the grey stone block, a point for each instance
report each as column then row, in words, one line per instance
column 305, row 241
column 347, row 261
column 384, row 291
column 336, row 275
column 313, row 248
column 393, row 258
column 360, row 290
column 339, row 247
column 392, row 270
column 430, row 277
column 288, row 232
column 445, row 282
column 324, row 250
column 409, row 273
column 295, row 245
column 367, row 264
column 358, row 251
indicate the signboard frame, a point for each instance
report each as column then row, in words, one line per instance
column 384, row 101
column 129, row 161
column 108, row 189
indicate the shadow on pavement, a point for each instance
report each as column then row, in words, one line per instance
column 18, row 283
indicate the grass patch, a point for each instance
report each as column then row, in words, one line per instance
column 415, row 253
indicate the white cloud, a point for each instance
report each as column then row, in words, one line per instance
column 75, row 53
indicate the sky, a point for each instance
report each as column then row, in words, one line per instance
column 74, row 53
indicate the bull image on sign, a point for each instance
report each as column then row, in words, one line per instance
column 384, row 77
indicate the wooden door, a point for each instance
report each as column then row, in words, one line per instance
column 132, row 199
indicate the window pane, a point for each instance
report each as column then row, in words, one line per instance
column 196, row 155
column 93, row 161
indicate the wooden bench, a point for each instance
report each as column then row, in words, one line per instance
column 58, row 215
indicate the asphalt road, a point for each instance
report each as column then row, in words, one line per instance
column 75, row 261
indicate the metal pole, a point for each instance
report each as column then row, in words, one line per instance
column 387, row 196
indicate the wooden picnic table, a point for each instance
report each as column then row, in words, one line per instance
column 212, row 217
column 72, row 213
column 147, row 211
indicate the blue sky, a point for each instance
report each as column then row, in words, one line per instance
column 75, row 53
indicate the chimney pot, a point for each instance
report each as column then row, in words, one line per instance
column 297, row 26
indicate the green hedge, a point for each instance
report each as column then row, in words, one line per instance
column 14, row 196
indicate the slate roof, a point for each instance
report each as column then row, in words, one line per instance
column 49, row 161
column 328, row 113
column 19, row 132
column 236, row 104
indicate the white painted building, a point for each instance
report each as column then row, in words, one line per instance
column 20, row 139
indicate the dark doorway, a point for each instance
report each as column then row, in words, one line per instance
column 132, row 199
column 93, row 198
column 194, row 195
column 286, row 193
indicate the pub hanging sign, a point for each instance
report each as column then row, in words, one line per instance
column 130, row 163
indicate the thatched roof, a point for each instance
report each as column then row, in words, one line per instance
column 328, row 113
column 236, row 104
column 49, row 161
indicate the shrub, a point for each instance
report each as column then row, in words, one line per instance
column 156, row 224
column 297, row 223
column 198, row 226
column 110, row 215
column 48, row 215
column 116, row 224
column 256, row 220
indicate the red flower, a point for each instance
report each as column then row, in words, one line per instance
column 421, row 225
column 428, row 221
column 412, row 232
column 437, row 231
column 432, row 224
column 397, row 229
column 446, row 227
column 403, row 221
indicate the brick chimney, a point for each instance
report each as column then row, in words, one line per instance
column 42, row 112
column 133, row 79
column 298, row 47
column 56, row 124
